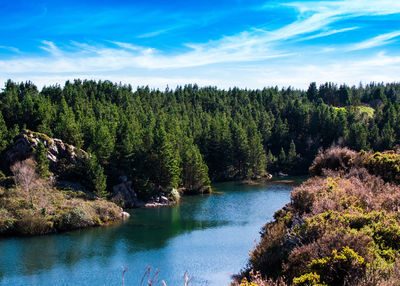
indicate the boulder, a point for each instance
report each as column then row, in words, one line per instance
column 125, row 215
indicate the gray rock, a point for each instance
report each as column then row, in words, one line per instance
column 26, row 142
column 124, row 194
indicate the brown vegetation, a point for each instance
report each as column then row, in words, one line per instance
column 341, row 227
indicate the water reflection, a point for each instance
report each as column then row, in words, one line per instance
column 187, row 235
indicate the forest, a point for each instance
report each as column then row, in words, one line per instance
column 190, row 136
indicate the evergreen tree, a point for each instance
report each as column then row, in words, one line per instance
column 240, row 149
column 344, row 95
column 256, row 158
column 42, row 162
column 167, row 171
column 142, row 133
column 94, row 176
column 358, row 135
column 292, row 155
column 312, row 92
column 103, row 143
column 271, row 158
column 282, row 159
column 3, row 134
column 67, row 129
column 195, row 171
column 387, row 137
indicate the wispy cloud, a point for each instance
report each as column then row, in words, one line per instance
column 51, row 48
column 328, row 33
column 269, row 54
column 375, row 42
column 159, row 32
column 12, row 49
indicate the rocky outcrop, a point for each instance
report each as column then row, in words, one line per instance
column 57, row 150
column 158, row 201
column 124, row 194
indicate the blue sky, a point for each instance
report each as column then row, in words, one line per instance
column 250, row 44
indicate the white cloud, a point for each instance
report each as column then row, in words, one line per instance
column 328, row 33
column 255, row 57
column 375, row 42
column 12, row 49
column 51, row 48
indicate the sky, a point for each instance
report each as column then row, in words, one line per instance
column 247, row 44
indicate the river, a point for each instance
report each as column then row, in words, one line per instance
column 208, row 236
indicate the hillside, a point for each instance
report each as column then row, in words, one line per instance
column 341, row 227
column 186, row 137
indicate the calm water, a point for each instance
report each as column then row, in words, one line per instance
column 208, row 236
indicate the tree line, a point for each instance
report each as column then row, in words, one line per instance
column 190, row 136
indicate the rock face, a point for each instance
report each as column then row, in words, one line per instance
column 57, row 150
column 123, row 194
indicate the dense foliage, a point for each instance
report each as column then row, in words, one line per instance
column 342, row 227
column 33, row 206
column 187, row 136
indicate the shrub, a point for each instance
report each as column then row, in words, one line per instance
column 386, row 165
column 309, row 279
column 6, row 221
column 335, row 158
column 105, row 211
column 268, row 255
column 341, row 229
column 76, row 218
column 340, row 268
column 31, row 223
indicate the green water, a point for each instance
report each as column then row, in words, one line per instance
column 209, row 236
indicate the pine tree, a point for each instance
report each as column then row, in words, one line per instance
column 312, row 92
column 67, row 129
column 195, row 171
column 3, row 133
column 103, row 143
column 240, row 149
column 257, row 158
column 95, row 178
column 282, row 159
column 387, row 136
column 358, row 135
column 271, row 158
column 292, row 155
column 42, row 162
column 167, row 171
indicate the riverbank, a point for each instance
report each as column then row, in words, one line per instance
column 341, row 226
column 39, row 208
column 207, row 235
